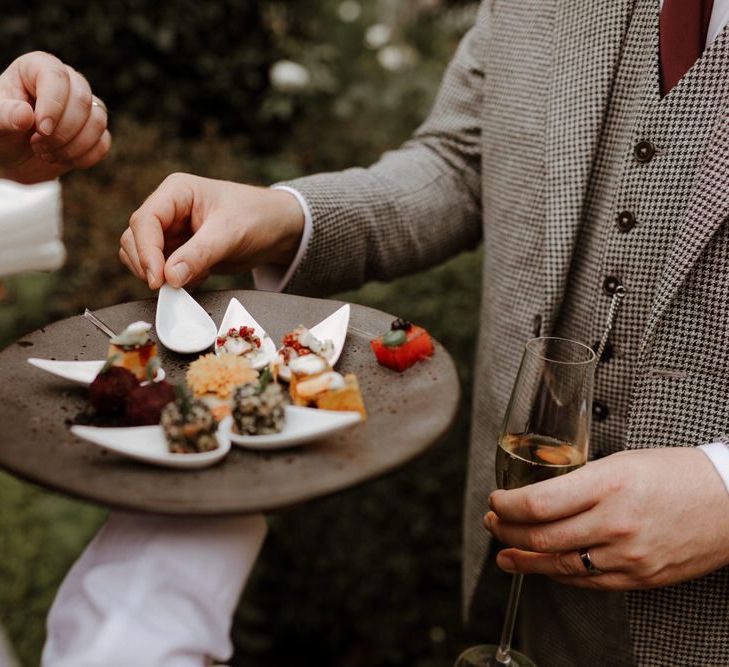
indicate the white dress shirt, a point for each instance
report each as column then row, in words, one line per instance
column 719, row 18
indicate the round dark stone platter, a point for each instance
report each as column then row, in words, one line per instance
column 407, row 413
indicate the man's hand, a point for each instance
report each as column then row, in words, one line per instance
column 650, row 517
column 191, row 226
column 48, row 122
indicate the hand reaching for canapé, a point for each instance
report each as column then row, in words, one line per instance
column 190, row 227
column 649, row 517
column 49, row 123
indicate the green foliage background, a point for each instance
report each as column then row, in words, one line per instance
column 369, row 577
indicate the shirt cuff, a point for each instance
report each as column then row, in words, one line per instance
column 272, row 278
column 718, row 454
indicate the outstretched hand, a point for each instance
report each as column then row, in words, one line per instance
column 49, row 123
column 649, row 517
column 191, row 226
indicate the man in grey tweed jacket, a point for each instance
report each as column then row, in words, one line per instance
column 550, row 142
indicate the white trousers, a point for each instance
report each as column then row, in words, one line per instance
column 153, row 591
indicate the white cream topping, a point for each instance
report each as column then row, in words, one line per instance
column 237, row 346
column 307, row 339
column 135, row 334
column 321, row 383
column 308, row 364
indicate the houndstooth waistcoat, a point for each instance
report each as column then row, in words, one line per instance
column 508, row 156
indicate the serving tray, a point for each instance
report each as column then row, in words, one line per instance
column 407, row 413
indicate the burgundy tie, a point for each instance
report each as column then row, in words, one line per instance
column 683, row 28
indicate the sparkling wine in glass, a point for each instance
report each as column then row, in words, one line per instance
column 545, row 433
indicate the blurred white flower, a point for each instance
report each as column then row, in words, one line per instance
column 349, row 11
column 288, row 76
column 394, row 58
column 378, row 35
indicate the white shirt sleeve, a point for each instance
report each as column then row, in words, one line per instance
column 153, row 591
column 271, row 278
column 718, row 453
column 30, row 227
column 7, row 658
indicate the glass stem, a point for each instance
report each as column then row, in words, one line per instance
column 503, row 653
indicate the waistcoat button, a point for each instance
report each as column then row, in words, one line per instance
column 644, row 151
column 599, row 411
column 610, row 285
column 626, row 221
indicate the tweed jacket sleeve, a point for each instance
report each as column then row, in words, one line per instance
column 417, row 205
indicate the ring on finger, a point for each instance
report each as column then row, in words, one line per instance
column 98, row 102
column 587, row 562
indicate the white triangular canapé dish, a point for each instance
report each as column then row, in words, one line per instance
column 82, row 372
column 237, row 316
column 302, row 425
column 332, row 328
column 148, row 444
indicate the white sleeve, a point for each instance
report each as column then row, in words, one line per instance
column 718, row 453
column 30, row 227
column 153, row 591
column 271, row 278
column 7, row 659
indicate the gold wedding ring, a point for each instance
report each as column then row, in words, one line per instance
column 96, row 102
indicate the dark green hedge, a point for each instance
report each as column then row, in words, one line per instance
column 176, row 63
column 187, row 65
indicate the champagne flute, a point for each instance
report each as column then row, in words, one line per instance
column 545, row 433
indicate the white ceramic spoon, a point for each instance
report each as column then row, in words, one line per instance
column 148, row 444
column 302, row 425
column 237, row 316
column 181, row 323
column 82, row 372
column 333, row 328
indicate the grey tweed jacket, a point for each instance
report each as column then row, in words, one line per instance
column 505, row 158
